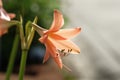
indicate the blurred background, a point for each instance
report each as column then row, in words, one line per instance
column 99, row 39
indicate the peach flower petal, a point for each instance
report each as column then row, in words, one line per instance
column 11, row 15
column 46, row 57
column 66, row 33
column 4, row 20
column 53, row 52
column 67, row 45
column 57, row 22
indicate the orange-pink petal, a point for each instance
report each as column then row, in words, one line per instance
column 4, row 15
column 53, row 52
column 46, row 57
column 57, row 22
column 57, row 36
column 67, row 45
column 4, row 20
column 66, row 33
column 3, row 27
column 11, row 15
column 43, row 39
column 3, row 31
column 1, row 3
column 6, row 24
column 51, row 48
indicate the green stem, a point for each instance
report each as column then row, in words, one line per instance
column 23, row 63
column 12, row 57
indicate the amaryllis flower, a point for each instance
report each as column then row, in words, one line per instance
column 57, row 40
column 4, row 19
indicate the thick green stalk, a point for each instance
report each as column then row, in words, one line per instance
column 25, row 44
column 23, row 63
column 12, row 57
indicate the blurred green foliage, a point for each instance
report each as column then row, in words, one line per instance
column 43, row 9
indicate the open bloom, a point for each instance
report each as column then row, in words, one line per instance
column 56, row 39
column 4, row 19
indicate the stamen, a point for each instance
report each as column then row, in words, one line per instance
column 67, row 68
column 62, row 50
column 63, row 53
column 70, row 50
column 57, row 55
